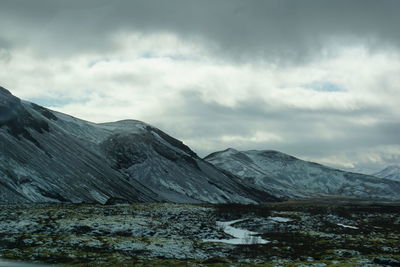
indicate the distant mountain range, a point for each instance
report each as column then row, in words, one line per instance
column 390, row 172
column 285, row 176
column 47, row 156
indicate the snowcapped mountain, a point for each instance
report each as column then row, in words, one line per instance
column 167, row 166
column 44, row 159
column 283, row 175
column 46, row 156
column 390, row 172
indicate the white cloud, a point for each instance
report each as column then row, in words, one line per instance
column 149, row 76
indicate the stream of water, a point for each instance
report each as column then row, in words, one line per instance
column 241, row 236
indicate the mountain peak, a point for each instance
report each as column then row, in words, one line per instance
column 6, row 98
column 4, row 91
column 283, row 175
column 393, row 167
column 9, row 105
column 225, row 153
column 271, row 154
column 390, row 172
column 231, row 150
column 127, row 125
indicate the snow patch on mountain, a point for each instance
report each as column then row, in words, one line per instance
column 390, row 172
column 54, row 157
column 283, row 175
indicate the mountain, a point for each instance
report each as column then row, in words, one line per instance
column 285, row 176
column 390, row 172
column 167, row 166
column 46, row 156
column 42, row 159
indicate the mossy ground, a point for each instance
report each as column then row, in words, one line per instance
column 171, row 234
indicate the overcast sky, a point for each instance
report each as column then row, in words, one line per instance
column 316, row 79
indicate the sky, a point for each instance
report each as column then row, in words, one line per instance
column 317, row 79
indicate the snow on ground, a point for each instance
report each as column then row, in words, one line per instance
column 280, row 219
column 242, row 236
column 126, row 235
column 10, row 226
column 347, row 226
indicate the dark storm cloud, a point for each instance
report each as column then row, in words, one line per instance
column 275, row 29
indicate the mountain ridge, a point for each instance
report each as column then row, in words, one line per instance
column 286, row 176
column 49, row 156
column 390, row 172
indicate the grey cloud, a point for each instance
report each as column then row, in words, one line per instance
column 281, row 31
column 277, row 30
column 4, row 44
column 5, row 55
column 301, row 130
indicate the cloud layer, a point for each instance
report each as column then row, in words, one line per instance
column 317, row 79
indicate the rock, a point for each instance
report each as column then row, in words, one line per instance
column 388, row 249
column 346, row 253
column 386, row 261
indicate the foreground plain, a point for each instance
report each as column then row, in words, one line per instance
column 319, row 232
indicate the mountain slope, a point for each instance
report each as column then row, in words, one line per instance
column 42, row 162
column 170, row 168
column 390, row 172
column 46, row 156
column 285, row 176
